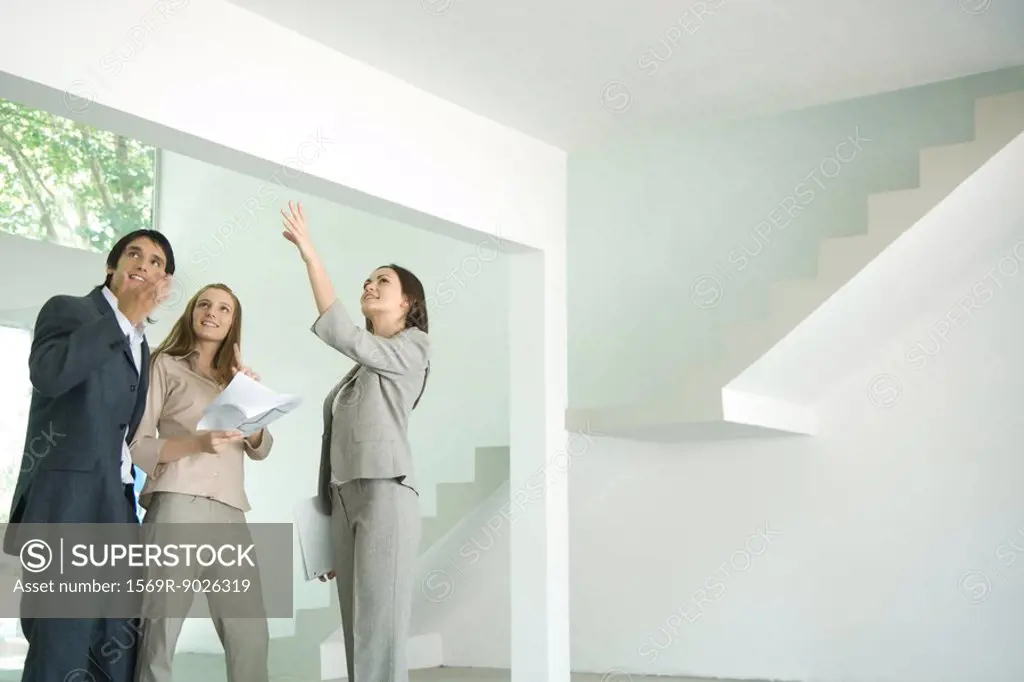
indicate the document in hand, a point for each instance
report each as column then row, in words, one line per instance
column 314, row 528
column 246, row 405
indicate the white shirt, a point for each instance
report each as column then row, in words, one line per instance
column 135, row 336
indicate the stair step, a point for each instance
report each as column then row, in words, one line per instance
column 946, row 167
column 491, row 466
column 897, row 211
column 797, row 296
column 997, row 120
column 456, row 499
column 998, row 112
column 846, row 254
column 794, row 300
column 841, row 259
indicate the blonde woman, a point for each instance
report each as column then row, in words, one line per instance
column 197, row 477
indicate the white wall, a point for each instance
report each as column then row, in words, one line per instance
column 887, row 548
column 877, row 519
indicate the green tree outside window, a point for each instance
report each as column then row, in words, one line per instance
column 64, row 182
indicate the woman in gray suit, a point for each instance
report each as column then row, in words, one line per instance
column 367, row 479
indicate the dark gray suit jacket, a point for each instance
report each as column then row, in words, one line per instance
column 85, row 393
column 366, row 414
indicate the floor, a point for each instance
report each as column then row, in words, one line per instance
column 293, row 662
column 215, row 674
column 210, row 668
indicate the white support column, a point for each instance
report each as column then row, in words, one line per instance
column 538, row 476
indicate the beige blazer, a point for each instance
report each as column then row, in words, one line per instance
column 366, row 414
column 177, row 397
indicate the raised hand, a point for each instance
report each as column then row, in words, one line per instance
column 138, row 299
column 297, row 231
column 239, row 366
column 216, row 442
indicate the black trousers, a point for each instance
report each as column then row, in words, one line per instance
column 83, row 649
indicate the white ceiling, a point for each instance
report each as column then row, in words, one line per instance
column 541, row 67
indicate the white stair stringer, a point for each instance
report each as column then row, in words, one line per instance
column 741, row 395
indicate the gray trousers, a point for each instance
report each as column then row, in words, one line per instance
column 375, row 531
column 246, row 640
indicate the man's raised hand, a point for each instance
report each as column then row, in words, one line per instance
column 138, row 299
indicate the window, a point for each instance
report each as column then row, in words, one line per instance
column 70, row 184
column 15, row 394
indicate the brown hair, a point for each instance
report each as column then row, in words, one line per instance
column 153, row 235
column 181, row 340
column 124, row 242
column 417, row 317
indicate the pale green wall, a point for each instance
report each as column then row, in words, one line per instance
column 650, row 214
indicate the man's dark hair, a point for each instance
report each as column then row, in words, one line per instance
column 158, row 238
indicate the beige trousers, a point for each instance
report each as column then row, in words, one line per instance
column 245, row 640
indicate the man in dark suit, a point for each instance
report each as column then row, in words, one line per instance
column 89, row 367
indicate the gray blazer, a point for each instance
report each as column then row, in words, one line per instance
column 366, row 414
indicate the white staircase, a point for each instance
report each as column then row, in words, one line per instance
column 454, row 500
column 950, row 267
column 712, row 405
